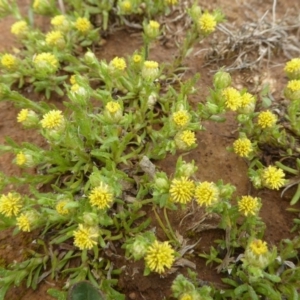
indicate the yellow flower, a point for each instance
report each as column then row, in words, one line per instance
column 20, row 159
column 9, row 61
column 46, row 62
column 247, row 99
column 258, row 247
column 19, row 28
column 233, row 99
column 83, row 25
column 23, row 222
column 207, row 23
column 242, row 147
column 61, row 209
column 188, row 138
column 248, row 205
column 159, row 256
column 126, row 6
column 292, row 68
column 53, row 120
column 100, row 196
column 10, row 204
column 294, row 85
column 73, row 79
column 85, row 237
column 182, row 190
column 181, row 118
column 150, row 70
column 266, row 119
column 273, row 178
column 154, row 24
column 207, row 193
column 137, row 58
column 58, row 20
column 118, row 63
column 22, row 115
column 55, row 38
column 113, row 106
column 171, row 2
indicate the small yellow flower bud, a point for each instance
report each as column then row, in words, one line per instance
column 292, row 68
column 152, row 29
column 150, row 70
column 207, row 24
column 19, row 29
column 9, row 62
column 83, row 25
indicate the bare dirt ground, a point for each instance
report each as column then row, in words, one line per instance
column 213, row 160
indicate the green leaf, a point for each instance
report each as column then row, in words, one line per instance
column 3, row 291
column 84, row 291
column 252, row 293
column 240, row 289
column 266, row 102
column 230, row 282
column 59, row 295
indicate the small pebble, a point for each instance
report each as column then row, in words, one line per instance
column 132, row 295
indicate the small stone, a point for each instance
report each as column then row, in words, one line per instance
column 132, row 295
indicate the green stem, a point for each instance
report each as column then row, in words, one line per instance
column 162, row 225
column 296, row 196
column 170, row 226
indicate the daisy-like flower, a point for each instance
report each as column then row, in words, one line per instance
column 125, row 7
column 83, row 25
column 58, row 20
column 22, row 115
column 159, row 256
column 181, row 118
column 101, row 196
column 292, row 68
column 19, row 28
column 182, row 190
column 23, row 223
column 247, row 99
column 248, row 205
column 113, row 107
column 46, row 62
column 53, row 120
column 207, row 193
column 207, row 23
column 27, row 118
column 171, row 2
column 150, row 70
column 292, row 90
column 55, row 38
column 273, row 178
column 61, row 208
column 85, row 237
column 233, row 99
column 10, row 204
column 9, row 62
column 152, row 29
column 185, row 139
column 73, row 79
column 136, row 58
column 242, row 147
column 294, row 85
column 118, row 63
column 266, row 119
column 258, row 247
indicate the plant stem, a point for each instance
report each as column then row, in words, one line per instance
column 170, row 226
column 162, row 225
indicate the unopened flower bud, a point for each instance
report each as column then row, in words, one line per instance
column 292, row 90
column 44, row 7
column 152, row 29
column 90, row 59
column 28, row 118
column 90, row 219
column 186, row 169
column 222, row 80
column 24, row 159
column 150, row 70
column 152, row 99
column 79, row 95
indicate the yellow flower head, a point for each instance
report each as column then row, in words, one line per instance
column 186, row 297
column 247, row 99
column 126, row 6
column 248, row 205
column 85, row 237
column 113, row 106
column 171, row 2
column 46, row 62
column 23, row 222
column 20, row 159
column 154, row 24
column 54, row 38
column 10, row 204
column 273, row 178
column 101, row 197
column 207, row 193
column 150, row 64
column 182, row 190
column 159, row 256
column 207, row 23
column 181, row 118
column 150, row 70
column 73, row 79
column 188, row 137
column 294, row 85
column 53, row 120
column 9, row 61
column 137, row 58
column 233, row 99
column 292, row 68
column 58, row 21
column 22, row 115
column 19, row 28
column 242, row 147
column 118, row 63
column 266, row 119
column 61, row 209
column 258, row 247
column 83, row 25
